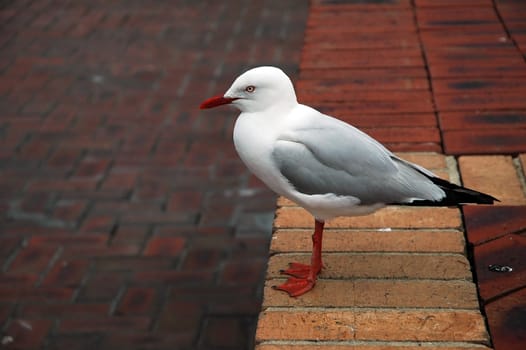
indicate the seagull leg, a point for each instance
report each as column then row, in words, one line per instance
column 304, row 276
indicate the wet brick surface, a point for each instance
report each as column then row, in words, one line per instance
column 127, row 219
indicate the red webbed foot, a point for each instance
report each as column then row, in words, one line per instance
column 299, row 270
column 304, row 276
column 296, row 286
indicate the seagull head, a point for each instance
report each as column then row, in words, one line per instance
column 258, row 89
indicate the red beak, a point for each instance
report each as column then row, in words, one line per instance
column 216, row 101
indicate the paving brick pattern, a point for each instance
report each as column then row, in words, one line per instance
column 418, row 75
column 497, row 235
column 127, row 220
column 475, row 52
column 387, row 282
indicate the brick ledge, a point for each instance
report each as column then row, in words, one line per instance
column 397, row 279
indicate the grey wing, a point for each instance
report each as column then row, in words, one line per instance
column 340, row 159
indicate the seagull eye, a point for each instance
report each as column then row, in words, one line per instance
column 250, row 88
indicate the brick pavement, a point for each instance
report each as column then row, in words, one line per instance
column 127, row 220
column 418, row 75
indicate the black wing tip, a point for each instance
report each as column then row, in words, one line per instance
column 455, row 195
column 462, row 194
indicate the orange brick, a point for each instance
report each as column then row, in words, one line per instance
column 338, row 240
column 284, row 202
column 431, row 161
column 495, row 175
column 522, row 160
column 381, row 265
column 390, row 217
column 164, row 246
column 370, row 346
column 371, row 324
column 378, row 293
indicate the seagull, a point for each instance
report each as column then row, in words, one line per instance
column 323, row 164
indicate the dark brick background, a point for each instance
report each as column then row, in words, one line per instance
column 127, row 220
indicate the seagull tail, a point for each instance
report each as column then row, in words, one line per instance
column 455, row 195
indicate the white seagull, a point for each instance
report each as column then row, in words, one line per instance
column 325, row 165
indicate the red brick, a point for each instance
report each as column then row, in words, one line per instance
column 57, row 239
column 102, row 287
column 373, row 103
column 103, row 324
column 117, row 249
column 36, row 202
column 482, row 120
column 32, row 259
column 98, row 223
column 185, row 201
column 225, row 332
column 386, row 73
column 177, row 316
column 62, row 185
column 324, row 10
column 28, row 333
column 67, row 273
column 146, row 339
column 74, row 341
column 164, row 246
column 242, row 306
column 69, row 210
column 404, row 135
column 479, row 19
column 130, row 235
column 168, row 160
column 363, row 22
column 248, row 272
column 157, row 217
column 479, row 85
column 35, row 149
column 355, row 59
column 18, row 279
column 505, row 317
column 356, row 84
column 486, row 223
column 137, row 301
column 132, row 263
column 64, row 310
column 486, row 100
column 173, row 277
column 217, row 214
column 505, row 251
column 57, row 122
column 439, row 39
column 489, row 69
column 485, row 141
column 123, row 179
column 41, row 294
column 477, row 56
column 6, row 310
column 342, row 40
column 117, row 206
column 92, row 168
column 453, row 3
column 94, row 144
column 8, row 245
column 202, row 259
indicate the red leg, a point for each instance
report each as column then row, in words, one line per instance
column 304, row 276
